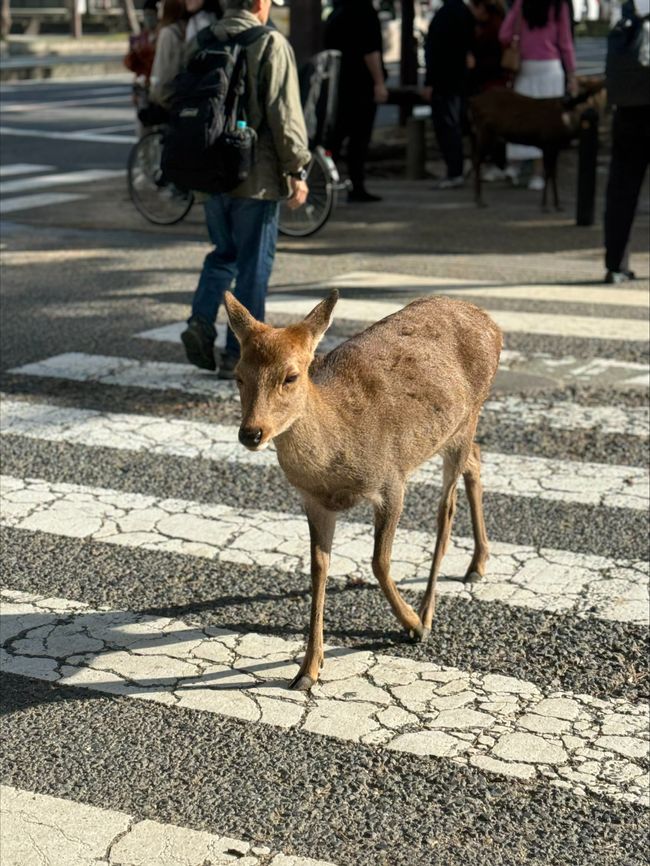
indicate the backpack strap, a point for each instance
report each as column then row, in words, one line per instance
column 252, row 34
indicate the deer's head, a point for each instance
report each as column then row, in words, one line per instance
column 273, row 371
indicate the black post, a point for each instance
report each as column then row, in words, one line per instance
column 587, row 160
column 408, row 65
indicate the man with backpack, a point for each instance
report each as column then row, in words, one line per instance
column 628, row 89
column 262, row 155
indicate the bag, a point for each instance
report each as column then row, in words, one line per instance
column 208, row 146
column 627, row 68
column 142, row 50
column 511, row 55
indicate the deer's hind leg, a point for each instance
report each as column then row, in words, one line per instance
column 453, row 464
column 387, row 516
column 474, row 490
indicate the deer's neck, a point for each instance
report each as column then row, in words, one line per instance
column 315, row 436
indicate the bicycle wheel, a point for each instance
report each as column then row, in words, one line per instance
column 158, row 201
column 321, row 178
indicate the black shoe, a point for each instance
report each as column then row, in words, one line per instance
column 198, row 340
column 362, row 195
column 615, row 277
column 227, row 364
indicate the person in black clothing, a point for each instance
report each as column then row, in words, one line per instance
column 353, row 28
column 629, row 92
column 448, row 54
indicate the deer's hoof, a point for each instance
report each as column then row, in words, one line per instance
column 419, row 634
column 473, row 577
column 301, row 683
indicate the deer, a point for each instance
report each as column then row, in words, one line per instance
column 354, row 424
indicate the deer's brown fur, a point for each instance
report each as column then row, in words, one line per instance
column 357, row 423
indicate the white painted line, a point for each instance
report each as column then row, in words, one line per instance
column 508, row 474
column 126, row 372
column 27, row 202
column 23, row 168
column 119, row 96
column 587, row 327
column 519, row 576
column 59, row 179
column 98, row 138
column 39, row 828
column 496, row 723
column 566, row 415
column 586, row 294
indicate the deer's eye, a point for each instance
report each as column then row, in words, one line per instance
column 292, row 377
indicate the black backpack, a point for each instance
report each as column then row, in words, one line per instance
column 207, row 145
column 627, row 70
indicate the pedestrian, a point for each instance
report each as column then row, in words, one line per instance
column 448, row 61
column 628, row 88
column 353, row 28
column 202, row 13
column 243, row 224
column 168, row 58
column 542, row 31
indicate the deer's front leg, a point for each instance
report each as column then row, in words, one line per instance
column 321, row 533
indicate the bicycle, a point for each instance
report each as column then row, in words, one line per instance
column 161, row 203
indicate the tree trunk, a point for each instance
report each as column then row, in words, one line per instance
column 5, row 20
column 131, row 16
column 75, row 19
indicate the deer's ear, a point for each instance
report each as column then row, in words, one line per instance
column 318, row 321
column 241, row 321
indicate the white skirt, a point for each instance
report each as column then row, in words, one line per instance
column 540, row 79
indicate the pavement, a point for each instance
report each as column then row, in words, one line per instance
column 156, row 578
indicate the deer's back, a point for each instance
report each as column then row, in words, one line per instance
column 415, row 377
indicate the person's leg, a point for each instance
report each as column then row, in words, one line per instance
column 217, row 274
column 626, row 172
column 362, row 120
column 220, row 265
column 446, row 111
column 255, row 233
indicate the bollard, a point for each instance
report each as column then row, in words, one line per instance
column 415, row 148
column 587, row 160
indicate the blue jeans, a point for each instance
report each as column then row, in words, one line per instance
column 244, row 232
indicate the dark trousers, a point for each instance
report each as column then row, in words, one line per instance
column 354, row 123
column 630, row 157
column 447, row 114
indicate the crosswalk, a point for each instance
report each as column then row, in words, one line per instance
column 32, row 178
column 183, row 616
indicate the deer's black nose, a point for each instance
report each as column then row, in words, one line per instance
column 250, row 436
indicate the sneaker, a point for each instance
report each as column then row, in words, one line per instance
column 450, row 183
column 362, row 196
column 227, row 364
column 615, row 277
column 536, row 183
column 198, row 340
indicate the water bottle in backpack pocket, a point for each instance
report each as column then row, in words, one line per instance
column 208, row 146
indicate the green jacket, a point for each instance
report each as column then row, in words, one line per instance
column 273, row 108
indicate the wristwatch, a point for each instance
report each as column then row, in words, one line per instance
column 301, row 174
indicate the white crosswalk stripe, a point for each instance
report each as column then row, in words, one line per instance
column 510, row 474
column 511, row 728
column 67, row 178
column 23, row 168
column 552, row 580
column 41, row 828
column 169, row 662
column 11, row 203
column 27, row 202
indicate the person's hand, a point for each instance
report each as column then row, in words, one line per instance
column 381, row 93
column 572, row 85
column 470, row 60
column 427, row 94
column 299, row 193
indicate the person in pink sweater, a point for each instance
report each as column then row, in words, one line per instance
column 548, row 63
